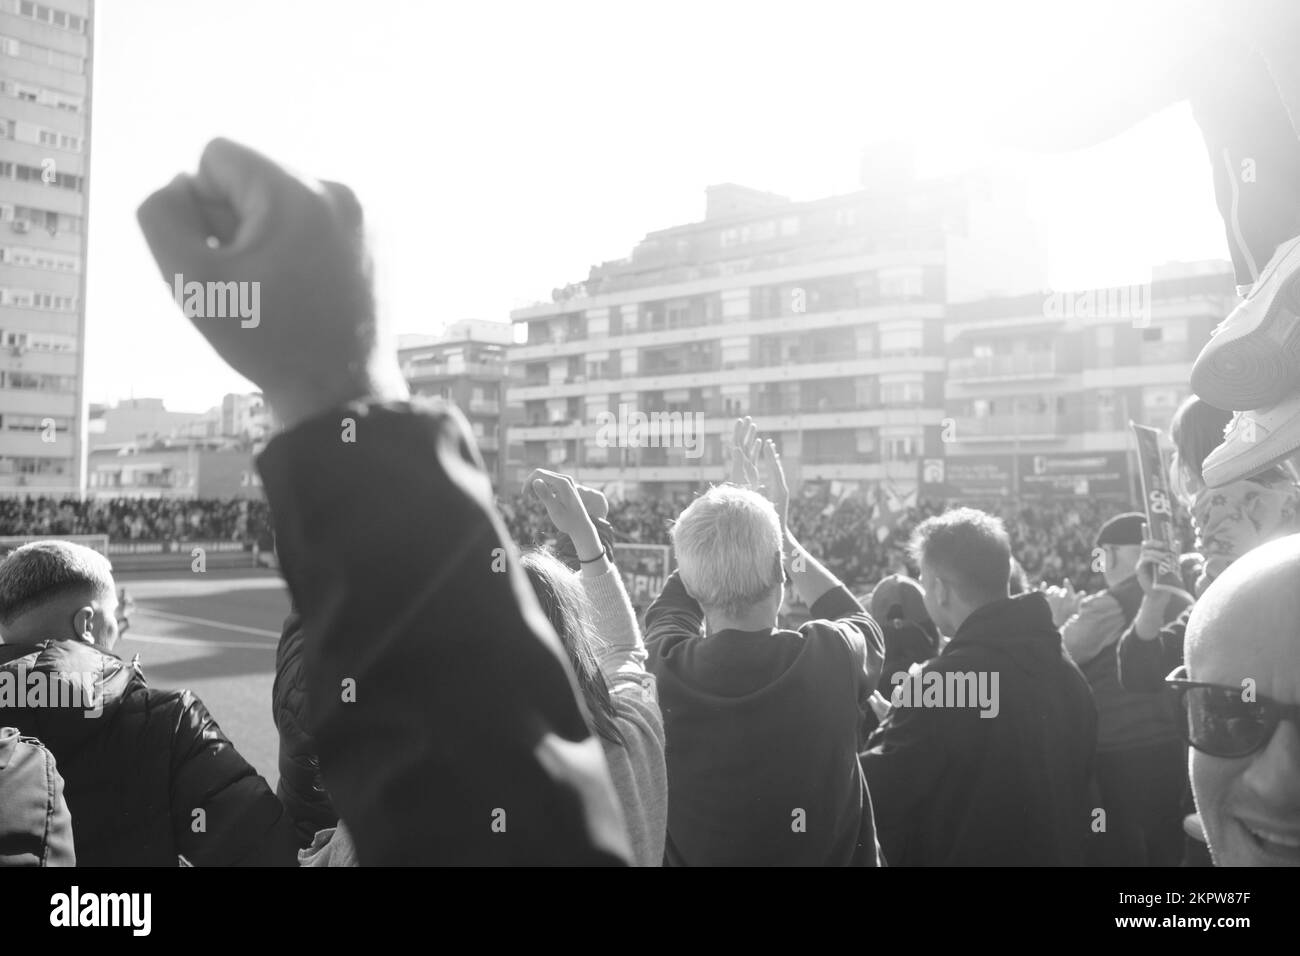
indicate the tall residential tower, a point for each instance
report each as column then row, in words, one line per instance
column 45, row 81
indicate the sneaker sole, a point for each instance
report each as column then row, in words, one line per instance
column 1251, row 462
column 1260, row 367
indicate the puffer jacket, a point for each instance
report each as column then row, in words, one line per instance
column 35, row 829
column 149, row 775
column 300, row 788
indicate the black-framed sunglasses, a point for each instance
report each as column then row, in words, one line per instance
column 1220, row 723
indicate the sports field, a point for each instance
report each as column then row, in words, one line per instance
column 215, row 634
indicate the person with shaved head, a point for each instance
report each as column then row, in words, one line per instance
column 1240, row 690
column 149, row 776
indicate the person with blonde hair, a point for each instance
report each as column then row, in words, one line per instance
column 763, row 724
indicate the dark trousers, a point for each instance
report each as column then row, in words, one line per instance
column 1243, row 86
column 1255, row 156
column 1141, row 791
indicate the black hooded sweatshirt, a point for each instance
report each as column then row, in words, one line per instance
column 951, row 787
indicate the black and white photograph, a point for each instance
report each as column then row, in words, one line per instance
column 679, row 434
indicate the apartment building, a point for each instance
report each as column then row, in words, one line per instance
column 1041, row 388
column 824, row 319
column 45, row 86
column 466, row 365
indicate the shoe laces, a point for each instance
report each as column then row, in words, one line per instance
column 1233, row 424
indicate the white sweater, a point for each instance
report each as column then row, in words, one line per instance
column 638, row 770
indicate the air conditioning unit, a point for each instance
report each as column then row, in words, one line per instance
column 21, row 225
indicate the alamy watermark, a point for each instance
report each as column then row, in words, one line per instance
column 956, row 689
column 1130, row 302
column 632, row 428
column 42, row 689
column 128, row 910
column 219, row 300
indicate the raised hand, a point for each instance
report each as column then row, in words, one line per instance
column 296, row 250
column 744, row 454
column 774, row 486
column 1155, row 558
column 563, row 505
column 1064, row 601
column 594, row 501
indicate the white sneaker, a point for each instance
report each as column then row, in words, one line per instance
column 1255, row 441
column 1253, row 357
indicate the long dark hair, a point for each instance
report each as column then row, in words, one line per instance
column 565, row 605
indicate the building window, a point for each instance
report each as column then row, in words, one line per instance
column 38, row 258
column 51, row 15
column 31, row 381
column 901, row 341
column 907, row 392
column 35, row 423
column 32, row 466
column 902, row 283
column 42, row 55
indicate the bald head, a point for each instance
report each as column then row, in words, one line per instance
column 1247, row 623
column 1244, row 634
column 56, row 590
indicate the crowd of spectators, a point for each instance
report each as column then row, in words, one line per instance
column 1052, row 539
column 139, row 519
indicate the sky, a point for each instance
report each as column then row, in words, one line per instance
column 502, row 148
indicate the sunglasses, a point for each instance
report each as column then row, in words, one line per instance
column 1220, row 723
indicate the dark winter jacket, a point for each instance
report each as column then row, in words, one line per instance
column 301, row 789
column 149, row 775
column 35, row 828
column 952, row 787
column 1144, row 665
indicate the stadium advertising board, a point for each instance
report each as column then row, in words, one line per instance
column 96, row 542
column 1049, row 475
column 970, row 476
column 175, row 547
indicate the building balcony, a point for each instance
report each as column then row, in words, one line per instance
column 23, row 401
column 684, row 368
column 739, row 326
column 1164, row 353
column 34, row 154
column 1003, row 367
column 18, row 444
column 739, row 375
column 35, row 484
column 720, row 423
column 811, row 407
column 841, row 456
column 767, row 361
column 484, row 406
column 421, row 371
column 42, row 114
column 41, row 196
column 1007, row 427
column 42, row 280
